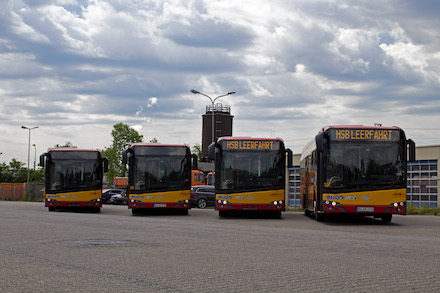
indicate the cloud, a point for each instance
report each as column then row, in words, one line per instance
column 76, row 67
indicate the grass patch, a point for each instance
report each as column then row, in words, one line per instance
column 423, row 210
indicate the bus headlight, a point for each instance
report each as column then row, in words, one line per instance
column 275, row 202
column 334, row 203
column 225, row 202
column 402, row 204
column 396, row 204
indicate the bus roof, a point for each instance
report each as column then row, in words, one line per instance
column 72, row 150
column 247, row 138
column 157, row 144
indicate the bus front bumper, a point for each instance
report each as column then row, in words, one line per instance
column 273, row 206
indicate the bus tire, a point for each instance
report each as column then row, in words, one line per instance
column 276, row 214
column 51, row 209
column 307, row 213
column 319, row 217
column 387, row 218
column 223, row 213
column 135, row 211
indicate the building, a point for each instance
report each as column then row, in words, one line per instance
column 423, row 180
column 222, row 125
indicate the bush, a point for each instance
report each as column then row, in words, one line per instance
column 423, row 210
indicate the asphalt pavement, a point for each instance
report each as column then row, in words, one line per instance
column 114, row 251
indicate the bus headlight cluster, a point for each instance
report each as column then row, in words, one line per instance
column 397, row 204
column 222, row 201
column 280, row 202
column 333, row 203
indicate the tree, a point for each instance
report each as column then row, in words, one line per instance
column 16, row 172
column 123, row 136
column 68, row 144
column 197, row 149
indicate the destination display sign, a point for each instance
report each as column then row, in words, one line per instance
column 160, row 150
column 364, row 134
column 251, row 145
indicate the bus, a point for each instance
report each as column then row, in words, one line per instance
column 355, row 170
column 210, row 178
column 73, row 178
column 197, row 177
column 159, row 176
column 249, row 175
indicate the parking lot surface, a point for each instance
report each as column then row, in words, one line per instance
column 114, row 251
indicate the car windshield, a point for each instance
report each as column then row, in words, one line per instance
column 160, row 172
column 73, row 175
column 250, row 170
column 359, row 165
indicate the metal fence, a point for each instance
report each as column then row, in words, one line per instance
column 17, row 191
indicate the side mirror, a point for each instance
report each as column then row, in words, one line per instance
column 125, row 155
column 105, row 161
column 411, row 150
column 194, row 162
column 42, row 159
column 321, row 141
column 211, row 151
column 289, row 158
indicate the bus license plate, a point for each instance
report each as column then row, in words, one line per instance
column 159, row 205
column 365, row 209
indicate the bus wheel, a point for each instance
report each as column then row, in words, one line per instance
column 307, row 213
column 276, row 214
column 319, row 217
column 387, row 218
column 135, row 211
column 224, row 213
column 182, row 212
column 51, row 209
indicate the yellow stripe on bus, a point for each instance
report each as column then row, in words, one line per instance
column 375, row 197
column 166, row 196
column 76, row 195
column 254, row 197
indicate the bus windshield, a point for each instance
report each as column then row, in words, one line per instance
column 73, row 175
column 364, row 164
column 160, row 172
column 250, row 170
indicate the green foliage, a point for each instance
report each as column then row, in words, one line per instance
column 16, row 172
column 123, row 136
column 68, row 144
column 423, row 210
column 154, row 140
column 197, row 149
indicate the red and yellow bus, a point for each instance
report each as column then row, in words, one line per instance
column 159, row 176
column 356, row 170
column 73, row 178
column 249, row 174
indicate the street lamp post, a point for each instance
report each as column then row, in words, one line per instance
column 212, row 109
column 35, row 154
column 29, row 154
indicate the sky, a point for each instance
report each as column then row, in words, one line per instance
column 75, row 68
